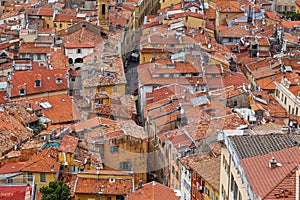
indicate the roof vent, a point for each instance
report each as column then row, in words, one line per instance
column 273, row 163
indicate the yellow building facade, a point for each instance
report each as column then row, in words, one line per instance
column 109, row 89
column 41, row 178
column 48, row 22
column 297, row 6
column 166, row 3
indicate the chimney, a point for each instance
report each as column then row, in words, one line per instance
column 140, row 184
column 273, row 163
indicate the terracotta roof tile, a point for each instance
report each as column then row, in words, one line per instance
column 153, row 191
column 207, row 172
column 71, row 45
column 92, row 123
column 67, row 18
column 46, row 12
column 26, row 48
column 12, row 132
column 68, row 144
column 257, row 168
column 44, row 161
column 21, row 113
column 11, row 167
column 60, row 102
column 93, row 186
column 48, row 83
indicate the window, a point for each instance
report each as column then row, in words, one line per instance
column 173, row 170
column 125, row 166
column 103, row 9
column 59, row 81
column 48, row 18
column 30, row 176
column 212, row 195
column 91, row 91
column 206, row 191
column 22, row 91
column 296, row 111
column 9, row 180
column 73, row 78
column 114, row 149
column 284, row 100
column 279, row 8
column 115, row 89
column 38, row 56
column 176, row 175
column 37, row 83
column 103, row 89
column 42, row 177
column 60, row 25
column 78, row 51
column 108, row 198
column 277, row 93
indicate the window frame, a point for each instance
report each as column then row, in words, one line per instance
column 42, row 177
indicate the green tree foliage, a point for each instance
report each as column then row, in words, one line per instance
column 56, row 190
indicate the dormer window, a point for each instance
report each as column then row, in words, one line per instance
column 37, row 83
column 58, row 79
column 22, row 91
column 37, row 80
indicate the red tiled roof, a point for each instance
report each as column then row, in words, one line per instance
column 93, row 186
column 60, row 102
column 46, row 12
column 44, row 161
column 167, row 91
column 153, row 191
column 48, row 83
column 234, row 32
column 11, row 168
column 26, row 48
column 235, row 79
column 12, row 131
column 70, row 45
column 92, row 123
column 257, row 107
column 58, row 60
column 263, row 179
column 231, row 6
column 209, row 170
column 68, row 144
column 67, row 18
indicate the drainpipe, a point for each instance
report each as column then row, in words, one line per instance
column 297, row 184
column 229, row 176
